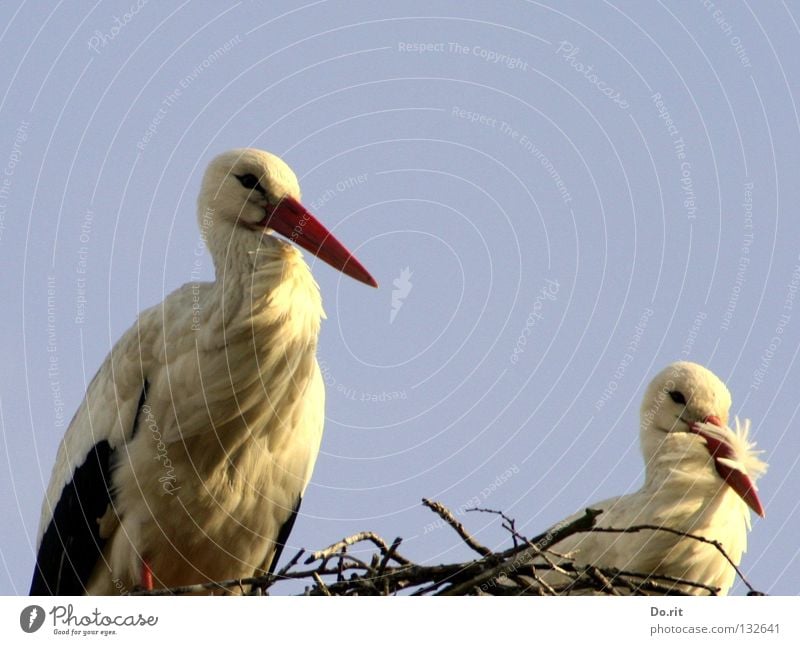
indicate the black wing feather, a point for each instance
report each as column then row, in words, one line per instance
column 283, row 535
column 72, row 544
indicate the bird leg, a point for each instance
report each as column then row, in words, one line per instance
column 147, row 576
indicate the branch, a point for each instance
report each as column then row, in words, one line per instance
column 448, row 517
column 353, row 539
column 518, row 570
column 684, row 534
column 510, row 524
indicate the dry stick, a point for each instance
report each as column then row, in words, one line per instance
column 340, row 566
column 321, row 584
column 388, row 555
column 560, row 533
column 323, row 571
column 385, row 562
column 295, row 559
column 585, row 523
column 591, row 579
column 652, row 582
column 658, row 578
column 559, row 536
column 659, row 589
column 411, row 575
column 448, row 573
column 282, row 571
column 552, row 536
column 537, row 586
column 590, row 585
column 541, row 544
column 448, row 517
column 621, row 581
column 517, row 537
column 699, row 538
column 543, row 541
column 464, row 577
column 606, row 584
column 512, row 564
column 544, row 586
column 523, row 584
column 341, row 559
column 510, row 525
column 353, row 539
column 557, row 533
column 427, row 589
column 531, row 590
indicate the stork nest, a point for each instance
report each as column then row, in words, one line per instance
column 516, row 571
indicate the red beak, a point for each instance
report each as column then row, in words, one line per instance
column 740, row 482
column 291, row 219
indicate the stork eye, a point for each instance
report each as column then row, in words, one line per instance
column 250, row 182
column 677, row 397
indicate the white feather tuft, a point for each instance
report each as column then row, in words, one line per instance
column 745, row 457
column 745, row 450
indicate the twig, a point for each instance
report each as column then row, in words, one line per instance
column 389, row 554
column 321, row 584
column 692, row 536
column 532, row 548
column 660, row 577
column 606, row 584
column 295, row 559
column 491, row 574
column 448, row 517
column 542, row 584
column 349, row 541
column 562, row 531
column 340, row 566
column 519, row 570
column 510, row 524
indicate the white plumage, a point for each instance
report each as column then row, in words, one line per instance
column 189, row 456
column 699, row 479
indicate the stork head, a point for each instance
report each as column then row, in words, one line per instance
column 685, row 411
column 247, row 195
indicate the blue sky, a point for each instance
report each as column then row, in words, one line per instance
column 569, row 196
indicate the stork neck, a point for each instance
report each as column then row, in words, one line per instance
column 233, row 251
column 678, row 457
column 271, row 286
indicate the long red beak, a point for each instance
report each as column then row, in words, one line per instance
column 292, row 220
column 740, row 482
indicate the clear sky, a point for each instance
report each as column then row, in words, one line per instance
column 569, row 195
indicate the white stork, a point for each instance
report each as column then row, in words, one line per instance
column 699, row 479
column 189, row 456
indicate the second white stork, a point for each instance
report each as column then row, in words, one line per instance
column 188, row 458
column 699, row 479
